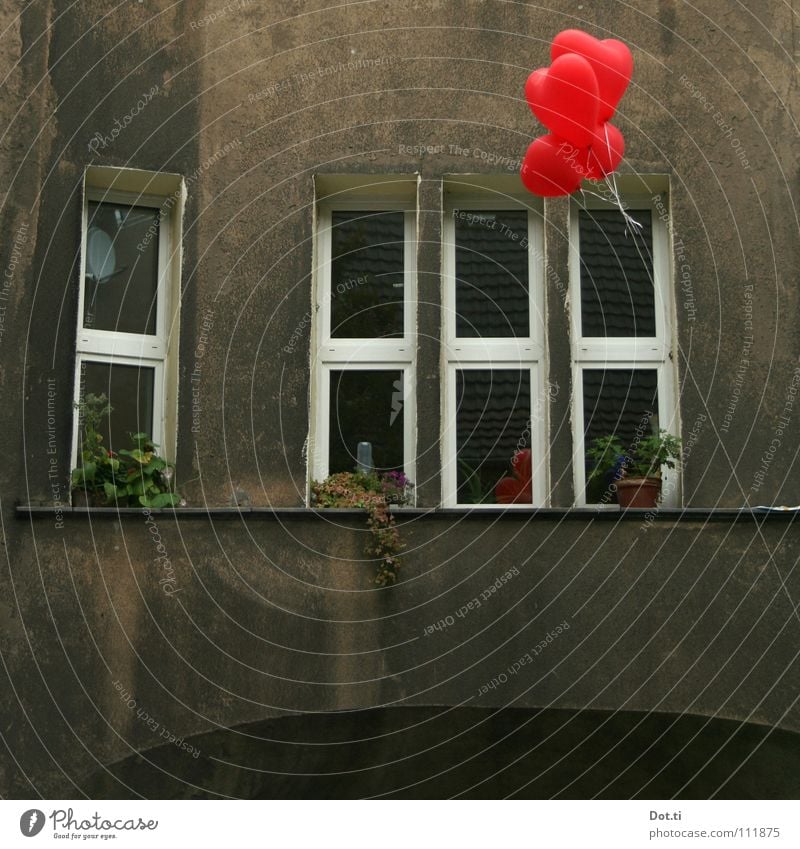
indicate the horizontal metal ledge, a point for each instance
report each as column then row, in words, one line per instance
column 667, row 514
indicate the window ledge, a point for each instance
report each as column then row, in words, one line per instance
column 668, row 514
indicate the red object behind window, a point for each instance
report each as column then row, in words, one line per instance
column 519, row 488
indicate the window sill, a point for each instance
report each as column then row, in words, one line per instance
column 667, row 514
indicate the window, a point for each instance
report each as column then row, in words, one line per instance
column 493, row 304
column 365, row 306
column 127, row 339
column 622, row 328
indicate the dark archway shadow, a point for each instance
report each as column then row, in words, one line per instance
column 438, row 752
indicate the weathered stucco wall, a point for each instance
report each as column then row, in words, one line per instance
column 253, row 617
column 276, row 614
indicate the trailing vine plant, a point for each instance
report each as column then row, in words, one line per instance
column 373, row 493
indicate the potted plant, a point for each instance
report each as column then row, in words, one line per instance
column 130, row 477
column 374, row 493
column 635, row 475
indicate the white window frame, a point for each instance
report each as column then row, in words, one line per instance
column 652, row 353
column 158, row 351
column 333, row 354
column 518, row 353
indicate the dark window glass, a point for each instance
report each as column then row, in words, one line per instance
column 617, row 292
column 129, row 390
column 366, row 406
column 492, row 423
column 367, row 281
column 622, row 402
column 121, row 268
column 492, row 274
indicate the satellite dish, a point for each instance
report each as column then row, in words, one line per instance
column 101, row 259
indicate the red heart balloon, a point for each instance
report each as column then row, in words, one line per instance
column 605, row 153
column 533, row 87
column 610, row 59
column 564, row 97
column 551, row 167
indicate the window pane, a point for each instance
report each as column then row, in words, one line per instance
column 367, row 281
column 617, row 292
column 366, row 406
column 492, row 423
column 121, row 268
column 623, row 402
column 492, row 274
column 129, row 390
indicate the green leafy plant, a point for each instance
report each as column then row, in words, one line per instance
column 606, row 456
column 473, row 486
column 651, row 453
column 373, row 493
column 644, row 459
column 98, row 466
column 131, row 477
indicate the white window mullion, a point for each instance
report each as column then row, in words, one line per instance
column 121, row 344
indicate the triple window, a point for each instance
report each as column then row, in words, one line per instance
column 495, row 403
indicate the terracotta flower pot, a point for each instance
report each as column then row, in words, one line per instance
column 638, row 492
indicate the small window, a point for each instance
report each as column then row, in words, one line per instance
column 619, row 401
column 131, row 392
column 493, row 411
column 491, row 274
column 617, row 290
column 366, row 406
column 122, row 268
column 127, row 338
column 367, row 277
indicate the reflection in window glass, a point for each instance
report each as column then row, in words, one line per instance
column 121, row 281
column 129, row 390
column 367, row 280
column 366, row 406
column 617, row 290
column 492, row 423
column 623, row 402
column 492, row 274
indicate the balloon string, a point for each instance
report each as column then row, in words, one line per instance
column 629, row 221
column 612, row 188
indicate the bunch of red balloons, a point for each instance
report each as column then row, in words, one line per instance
column 575, row 98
